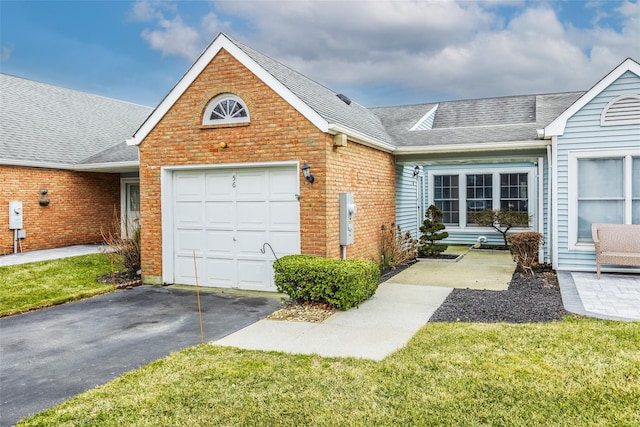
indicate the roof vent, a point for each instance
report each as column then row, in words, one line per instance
column 344, row 99
column 623, row 110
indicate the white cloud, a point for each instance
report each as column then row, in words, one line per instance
column 443, row 49
column 172, row 35
column 7, row 51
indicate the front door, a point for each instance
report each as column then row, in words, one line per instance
column 131, row 218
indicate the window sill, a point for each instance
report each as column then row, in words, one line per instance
column 582, row 247
column 224, row 125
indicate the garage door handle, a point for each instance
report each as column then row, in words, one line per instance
column 234, row 238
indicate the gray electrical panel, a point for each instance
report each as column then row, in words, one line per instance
column 348, row 211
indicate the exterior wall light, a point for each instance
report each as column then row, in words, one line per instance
column 43, row 200
column 306, row 172
column 416, row 172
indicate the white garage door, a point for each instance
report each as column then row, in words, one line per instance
column 226, row 216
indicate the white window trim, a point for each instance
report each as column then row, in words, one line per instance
column 462, row 191
column 572, row 190
column 215, row 101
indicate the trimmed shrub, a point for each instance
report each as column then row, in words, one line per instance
column 524, row 249
column 397, row 247
column 432, row 232
column 340, row 283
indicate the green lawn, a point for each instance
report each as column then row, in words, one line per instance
column 41, row 284
column 577, row 372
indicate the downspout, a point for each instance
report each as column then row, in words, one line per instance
column 540, row 204
column 554, row 202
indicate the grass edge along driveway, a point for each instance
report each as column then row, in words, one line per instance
column 35, row 285
column 576, row 372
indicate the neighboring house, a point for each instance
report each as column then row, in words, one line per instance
column 63, row 156
column 222, row 159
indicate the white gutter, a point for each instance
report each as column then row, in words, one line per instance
column 111, row 166
column 132, row 165
column 32, row 164
column 361, row 138
column 461, row 148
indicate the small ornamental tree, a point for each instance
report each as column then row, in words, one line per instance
column 432, row 233
column 499, row 220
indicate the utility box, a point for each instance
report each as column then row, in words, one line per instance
column 348, row 211
column 15, row 215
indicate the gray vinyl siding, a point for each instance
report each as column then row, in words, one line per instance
column 406, row 202
column 583, row 133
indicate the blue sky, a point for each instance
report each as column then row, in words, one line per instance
column 377, row 52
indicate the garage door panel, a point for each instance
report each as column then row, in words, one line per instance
column 188, row 214
column 219, row 243
column 284, row 243
column 220, row 272
column 249, row 243
column 284, row 216
column 219, row 214
column 251, row 215
column 283, row 184
column 185, row 272
column 189, row 186
column 252, row 273
column 219, row 186
column 251, row 185
column 186, row 241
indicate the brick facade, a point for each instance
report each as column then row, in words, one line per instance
column 81, row 204
column 276, row 132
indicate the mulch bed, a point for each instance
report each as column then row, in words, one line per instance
column 123, row 279
column 529, row 299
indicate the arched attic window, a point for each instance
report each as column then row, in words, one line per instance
column 225, row 109
column 623, row 110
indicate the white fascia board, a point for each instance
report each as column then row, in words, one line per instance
column 359, row 137
column 556, row 127
column 219, row 43
column 458, row 148
column 32, row 164
column 129, row 166
column 94, row 167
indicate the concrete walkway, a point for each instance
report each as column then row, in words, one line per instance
column 379, row 327
column 386, row 322
column 490, row 270
column 49, row 254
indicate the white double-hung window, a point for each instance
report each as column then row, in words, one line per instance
column 604, row 188
column 461, row 192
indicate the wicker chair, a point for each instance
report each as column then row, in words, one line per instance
column 617, row 244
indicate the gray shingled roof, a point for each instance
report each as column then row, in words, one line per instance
column 322, row 100
column 50, row 125
column 475, row 121
column 40, row 123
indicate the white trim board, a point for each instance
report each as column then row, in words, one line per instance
column 556, row 127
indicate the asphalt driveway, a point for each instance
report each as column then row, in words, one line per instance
column 48, row 356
